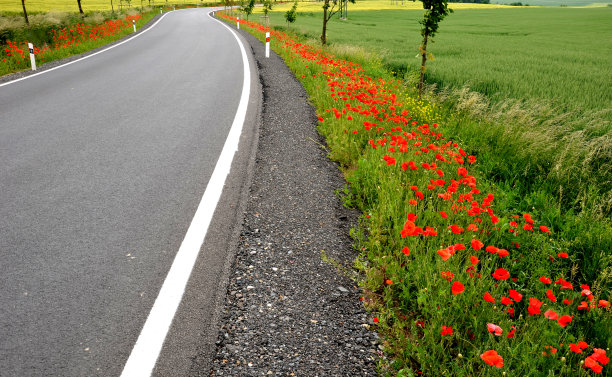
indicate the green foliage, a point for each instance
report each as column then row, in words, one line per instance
column 41, row 32
column 435, row 12
column 291, row 14
column 247, row 7
column 411, row 297
column 267, row 6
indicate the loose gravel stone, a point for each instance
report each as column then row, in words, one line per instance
column 289, row 313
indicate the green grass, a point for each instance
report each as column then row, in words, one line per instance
column 410, row 297
column 561, row 55
column 542, row 120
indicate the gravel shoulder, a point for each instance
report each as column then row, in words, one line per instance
column 288, row 310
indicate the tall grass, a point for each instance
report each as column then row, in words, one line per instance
column 426, row 200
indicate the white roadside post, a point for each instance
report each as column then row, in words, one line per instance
column 267, row 44
column 32, row 59
column 160, row 10
column 238, row 22
column 134, row 24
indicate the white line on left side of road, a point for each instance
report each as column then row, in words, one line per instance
column 144, row 355
column 87, row 56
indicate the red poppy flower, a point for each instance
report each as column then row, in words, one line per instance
column 443, row 214
column 389, row 282
column 446, row 330
column 476, row 244
column 456, row 229
column 501, row 274
column 564, row 284
column 534, row 306
column 515, row 295
column 489, row 298
column 574, row 348
column 447, row 275
column 491, row 357
column 545, row 280
column 502, row 253
column 567, row 302
column 446, row 253
column 591, row 363
column 375, row 320
column 583, row 306
column 459, row 247
column 494, row 329
column 600, row 356
column 506, row 301
column 511, row 333
column 544, row 228
column 551, row 314
column 551, row 296
column 603, row 303
column 474, row 260
column 563, row 255
column 457, row 288
column 528, row 218
column 409, row 229
column 492, row 249
column 406, row 250
column 564, row 320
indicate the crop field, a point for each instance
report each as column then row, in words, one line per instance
column 562, row 55
column 87, row 5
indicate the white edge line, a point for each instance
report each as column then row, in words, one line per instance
column 88, row 56
column 144, row 355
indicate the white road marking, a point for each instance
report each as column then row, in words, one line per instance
column 144, row 356
column 84, row 57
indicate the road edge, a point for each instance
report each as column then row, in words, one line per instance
column 185, row 351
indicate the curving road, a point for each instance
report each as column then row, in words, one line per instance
column 103, row 165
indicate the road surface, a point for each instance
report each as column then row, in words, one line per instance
column 104, row 163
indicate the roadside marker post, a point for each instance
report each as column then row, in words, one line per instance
column 160, row 10
column 238, row 22
column 32, row 59
column 134, row 24
column 267, row 44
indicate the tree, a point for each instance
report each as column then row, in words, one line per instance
column 329, row 9
column 291, row 14
column 267, row 7
column 81, row 9
column 248, row 8
column 25, row 13
column 435, row 11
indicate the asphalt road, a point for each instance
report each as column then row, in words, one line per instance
column 103, row 164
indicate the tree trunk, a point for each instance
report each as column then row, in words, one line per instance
column 324, row 34
column 423, row 61
column 81, row 9
column 112, row 7
column 25, row 13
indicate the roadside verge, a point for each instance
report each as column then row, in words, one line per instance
column 291, row 306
